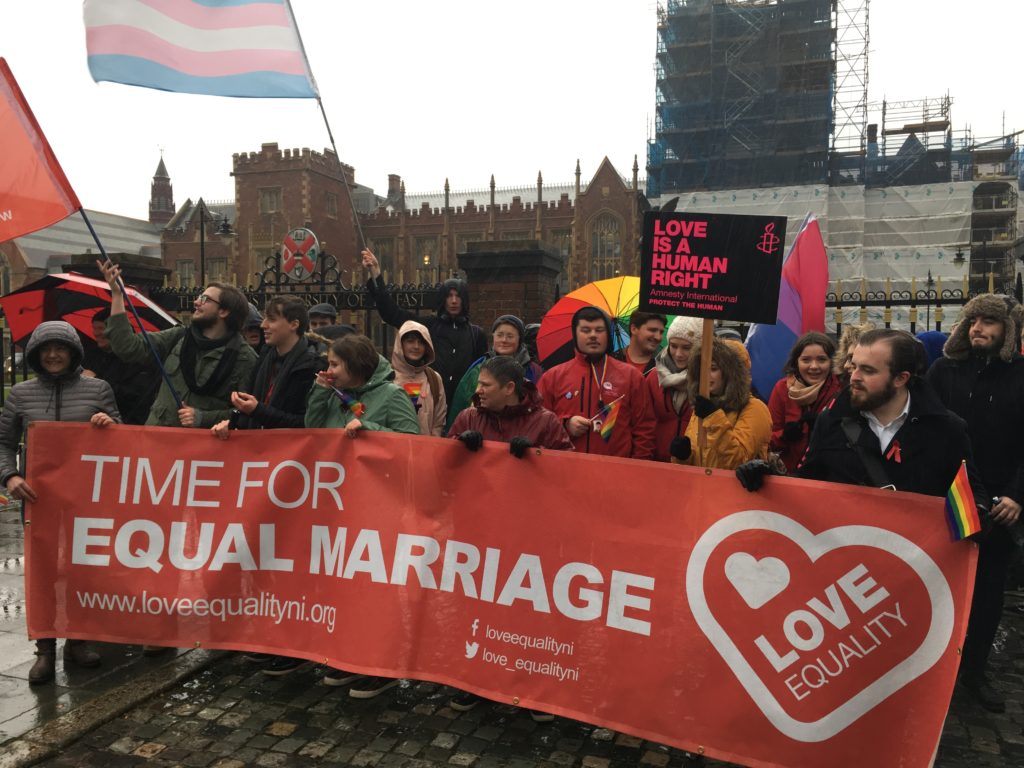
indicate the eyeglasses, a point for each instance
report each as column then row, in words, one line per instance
column 203, row 298
column 506, row 336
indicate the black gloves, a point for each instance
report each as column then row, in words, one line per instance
column 703, row 407
column 792, row 431
column 680, row 448
column 517, row 446
column 472, row 439
column 752, row 473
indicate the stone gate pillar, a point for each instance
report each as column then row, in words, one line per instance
column 510, row 277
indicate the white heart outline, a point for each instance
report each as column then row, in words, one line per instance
column 815, row 545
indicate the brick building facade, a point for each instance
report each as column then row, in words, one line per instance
column 594, row 227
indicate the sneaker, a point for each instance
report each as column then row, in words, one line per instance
column 338, row 677
column 463, row 701
column 258, row 658
column 371, row 687
column 282, row 665
column 541, row 717
column 978, row 686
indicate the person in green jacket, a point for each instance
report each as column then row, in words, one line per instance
column 205, row 361
column 357, row 391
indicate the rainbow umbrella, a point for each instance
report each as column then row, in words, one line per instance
column 618, row 297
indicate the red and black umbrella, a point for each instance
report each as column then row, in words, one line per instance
column 75, row 299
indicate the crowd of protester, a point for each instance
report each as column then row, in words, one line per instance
column 864, row 409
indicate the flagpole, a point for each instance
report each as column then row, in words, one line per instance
column 327, row 125
column 135, row 312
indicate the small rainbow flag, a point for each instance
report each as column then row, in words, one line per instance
column 349, row 403
column 413, row 390
column 607, row 416
column 961, row 511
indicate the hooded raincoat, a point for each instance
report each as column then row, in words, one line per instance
column 528, row 419
column 457, row 342
column 580, row 387
column 66, row 397
column 387, row 406
column 740, row 428
column 415, row 380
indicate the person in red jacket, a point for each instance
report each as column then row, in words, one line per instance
column 808, row 387
column 667, row 384
column 578, row 391
column 507, row 408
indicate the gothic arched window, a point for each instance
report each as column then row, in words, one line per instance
column 605, row 247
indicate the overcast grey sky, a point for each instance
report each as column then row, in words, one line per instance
column 455, row 89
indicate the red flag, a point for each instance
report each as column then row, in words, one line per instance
column 34, row 192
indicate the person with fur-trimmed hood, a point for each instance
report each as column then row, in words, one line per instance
column 411, row 358
column 457, row 342
column 981, row 379
column 587, row 390
column 737, row 426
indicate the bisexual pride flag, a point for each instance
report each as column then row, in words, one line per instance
column 801, row 307
column 961, row 511
column 248, row 48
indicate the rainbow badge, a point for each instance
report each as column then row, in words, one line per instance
column 604, row 421
column 413, row 390
column 961, row 511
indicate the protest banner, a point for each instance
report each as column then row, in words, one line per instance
column 788, row 627
column 712, row 265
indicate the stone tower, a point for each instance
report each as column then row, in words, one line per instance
column 161, row 196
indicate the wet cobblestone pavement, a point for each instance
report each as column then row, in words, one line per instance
column 232, row 715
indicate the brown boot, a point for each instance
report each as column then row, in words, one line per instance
column 46, row 657
column 79, row 653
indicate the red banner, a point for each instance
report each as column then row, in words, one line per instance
column 788, row 627
column 34, row 193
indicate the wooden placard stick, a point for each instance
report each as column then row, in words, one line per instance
column 707, row 337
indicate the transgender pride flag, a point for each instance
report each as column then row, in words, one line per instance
column 247, row 48
column 801, row 307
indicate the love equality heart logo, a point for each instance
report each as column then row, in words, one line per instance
column 760, row 579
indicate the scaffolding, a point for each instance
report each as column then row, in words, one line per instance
column 850, row 100
column 915, row 146
column 745, row 92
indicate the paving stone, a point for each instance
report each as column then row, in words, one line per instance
column 409, row 748
column 288, row 746
column 125, row 745
column 463, row 758
column 561, row 758
column 149, row 749
column 651, row 757
column 366, row 757
column 445, row 740
column 281, row 729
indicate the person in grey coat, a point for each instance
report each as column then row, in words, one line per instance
column 59, row 392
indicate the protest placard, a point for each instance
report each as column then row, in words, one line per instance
column 712, row 265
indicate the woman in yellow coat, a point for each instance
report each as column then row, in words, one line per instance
column 737, row 427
